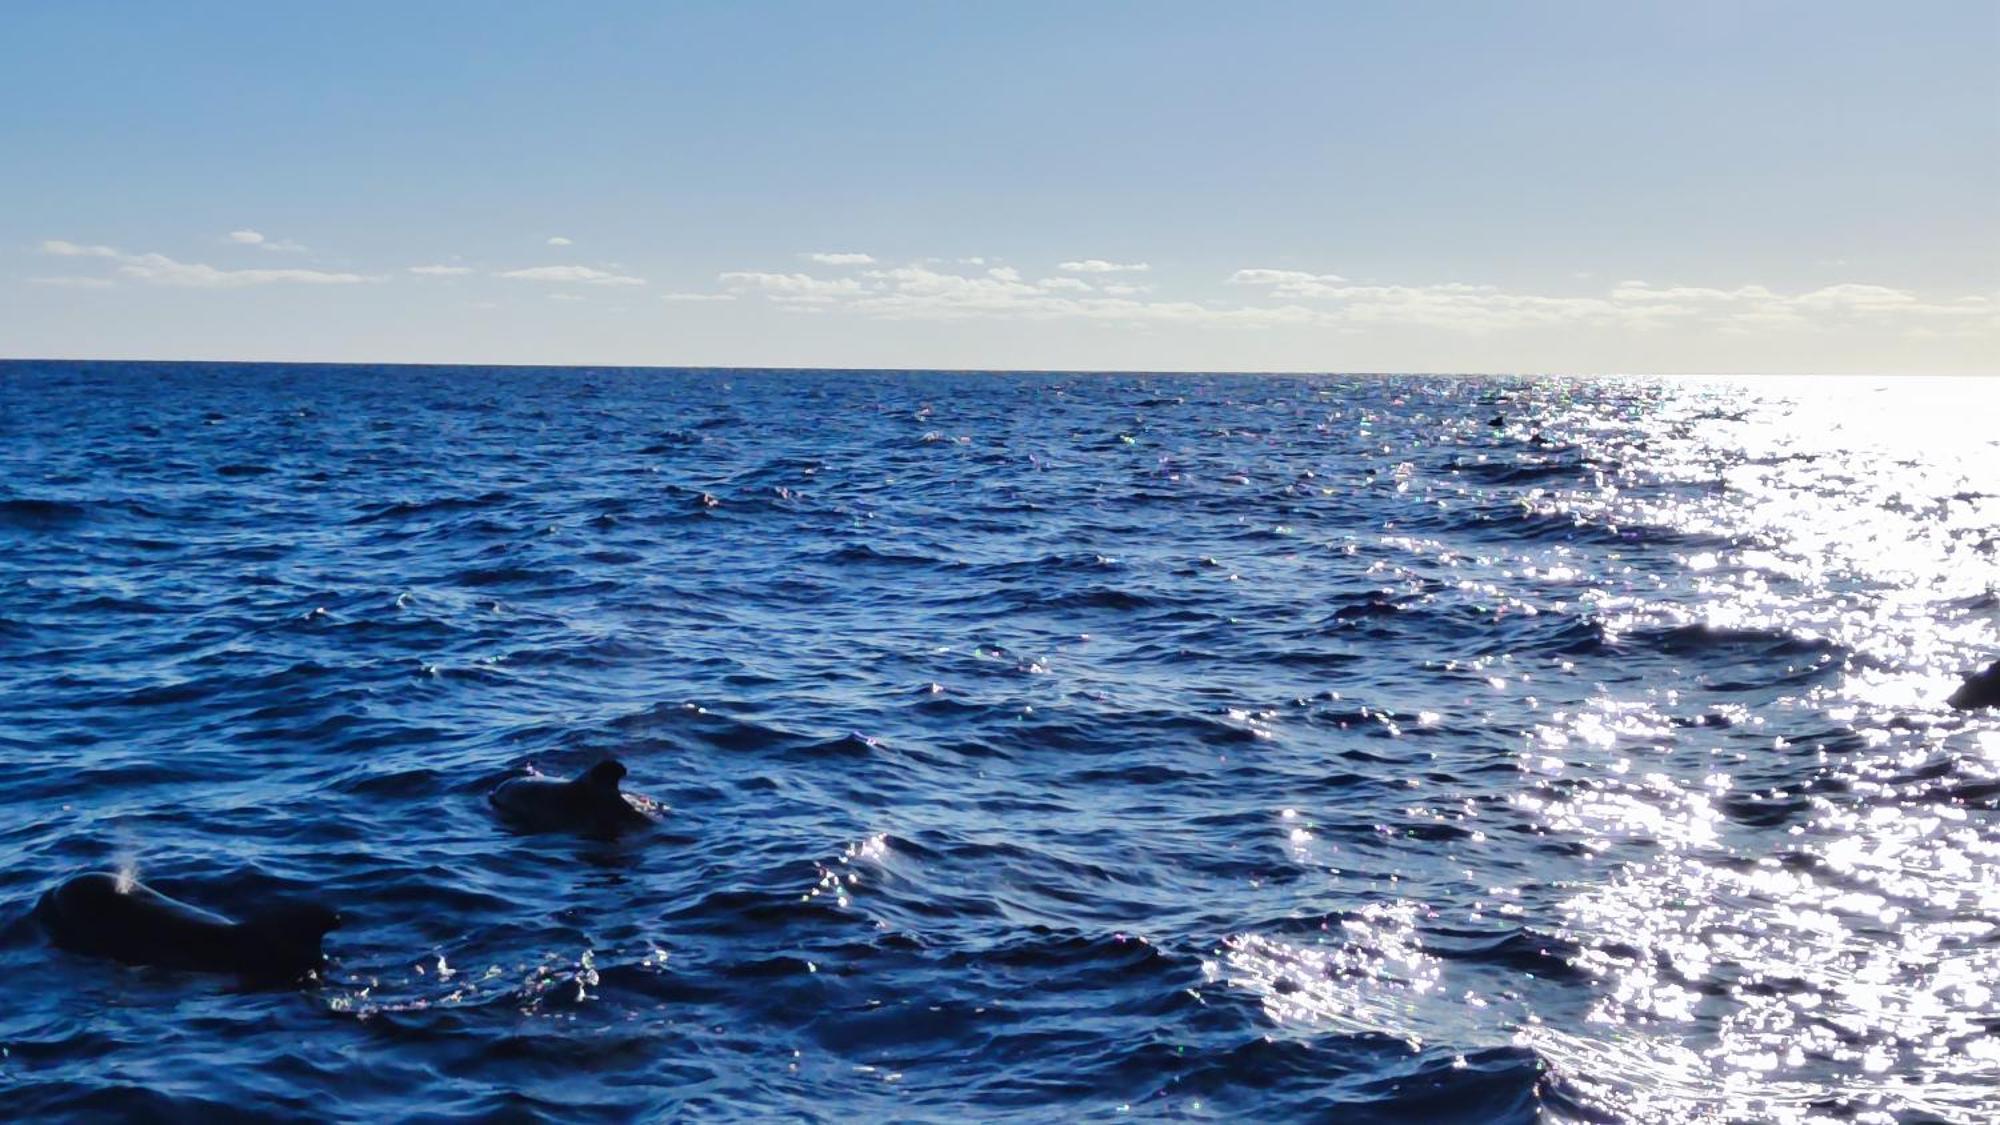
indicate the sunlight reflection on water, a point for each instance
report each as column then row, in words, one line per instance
column 1730, row 982
column 1856, row 951
column 1848, row 973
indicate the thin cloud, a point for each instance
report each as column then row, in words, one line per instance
column 61, row 249
column 440, row 271
column 1628, row 305
column 930, row 290
column 921, row 291
column 1099, row 265
column 793, row 287
column 840, row 259
column 1289, row 282
column 694, row 297
column 257, row 239
column 73, row 282
column 572, row 275
column 559, row 240
column 158, row 269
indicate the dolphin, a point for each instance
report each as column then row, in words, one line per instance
column 590, row 803
column 115, row 916
column 1981, row 689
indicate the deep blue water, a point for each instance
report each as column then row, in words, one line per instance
column 1040, row 747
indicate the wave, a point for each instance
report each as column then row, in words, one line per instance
column 1532, row 471
column 411, row 509
column 1700, row 639
column 30, row 514
column 863, row 554
column 1279, row 763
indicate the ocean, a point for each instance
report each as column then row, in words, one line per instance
column 1039, row 747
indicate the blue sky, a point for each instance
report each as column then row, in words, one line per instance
column 1577, row 186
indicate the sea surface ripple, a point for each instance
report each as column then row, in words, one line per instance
column 1040, row 747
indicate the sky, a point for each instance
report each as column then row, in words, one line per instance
column 1571, row 187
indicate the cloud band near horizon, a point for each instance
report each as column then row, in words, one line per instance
column 1094, row 289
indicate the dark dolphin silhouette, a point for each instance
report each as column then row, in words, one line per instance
column 1981, row 689
column 105, row 915
column 590, row 803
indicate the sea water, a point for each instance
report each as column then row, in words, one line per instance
column 1039, row 747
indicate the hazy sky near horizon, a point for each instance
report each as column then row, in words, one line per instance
column 1539, row 186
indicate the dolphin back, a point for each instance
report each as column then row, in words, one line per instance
column 285, row 941
column 589, row 803
column 105, row 915
column 1981, row 689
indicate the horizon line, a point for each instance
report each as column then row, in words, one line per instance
column 753, row 369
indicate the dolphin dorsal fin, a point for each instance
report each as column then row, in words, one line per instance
column 605, row 774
